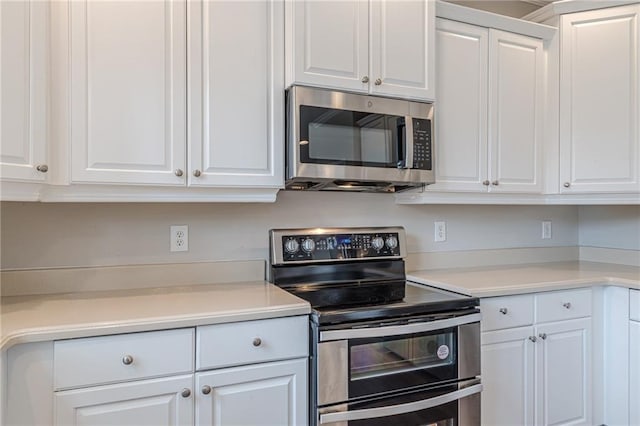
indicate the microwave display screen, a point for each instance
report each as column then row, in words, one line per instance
column 352, row 138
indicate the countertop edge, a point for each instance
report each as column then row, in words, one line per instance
column 533, row 287
column 42, row 334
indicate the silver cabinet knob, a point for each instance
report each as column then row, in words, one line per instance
column 197, row 173
column 178, row 172
column 567, row 305
column 503, row 311
column 543, row 336
column 486, row 183
column 42, row 168
column 533, row 339
column 566, row 184
column 206, row 389
column 365, row 79
column 257, row 342
column 127, row 360
column 378, row 82
column 495, row 183
column 186, row 393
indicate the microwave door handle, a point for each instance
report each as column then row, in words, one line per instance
column 408, row 142
column 392, row 410
column 397, row 330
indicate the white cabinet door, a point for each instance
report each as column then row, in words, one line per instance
column 402, row 48
column 128, row 91
column 23, row 89
column 258, row 394
column 564, row 373
column 329, row 41
column 158, row 402
column 634, row 373
column 515, row 113
column 508, row 377
column 461, row 118
column 236, row 92
column 600, row 101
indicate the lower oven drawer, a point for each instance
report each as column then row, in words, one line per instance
column 456, row 404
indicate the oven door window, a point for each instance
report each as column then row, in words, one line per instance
column 379, row 365
column 350, row 138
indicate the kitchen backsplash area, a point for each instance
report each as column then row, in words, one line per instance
column 41, row 235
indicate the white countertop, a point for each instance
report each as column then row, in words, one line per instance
column 59, row 316
column 517, row 279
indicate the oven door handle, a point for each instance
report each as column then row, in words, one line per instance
column 393, row 410
column 396, row 330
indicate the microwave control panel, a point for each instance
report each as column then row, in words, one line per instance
column 422, row 144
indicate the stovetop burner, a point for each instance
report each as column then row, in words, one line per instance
column 354, row 274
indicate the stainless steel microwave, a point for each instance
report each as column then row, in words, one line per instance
column 351, row 142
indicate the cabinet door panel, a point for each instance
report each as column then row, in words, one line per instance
column 150, row 402
column 508, row 377
column 259, row 394
column 600, row 101
column 23, row 88
column 237, row 93
column 564, row 359
column 461, row 118
column 128, row 91
column 634, row 373
column 515, row 115
column 330, row 43
column 402, row 48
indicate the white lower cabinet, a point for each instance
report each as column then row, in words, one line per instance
column 166, row 401
column 264, row 394
column 634, row 372
column 538, row 372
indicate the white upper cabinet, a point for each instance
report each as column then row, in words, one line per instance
column 24, row 88
column 488, row 122
column 128, row 91
column 600, row 101
column 236, row 89
column 382, row 47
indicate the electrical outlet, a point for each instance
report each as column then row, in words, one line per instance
column 546, row 229
column 179, row 237
column 440, row 232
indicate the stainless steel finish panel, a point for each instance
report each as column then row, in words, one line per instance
column 301, row 172
column 333, row 372
column 277, row 234
column 464, row 391
column 399, row 330
column 408, row 134
column 469, row 410
column 469, row 350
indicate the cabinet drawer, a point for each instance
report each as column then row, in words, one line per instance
column 224, row 345
column 506, row 312
column 634, row 305
column 562, row 305
column 109, row 359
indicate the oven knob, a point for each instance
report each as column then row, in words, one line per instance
column 308, row 245
column 392, row 242
column 291, row 246
column 377, row 243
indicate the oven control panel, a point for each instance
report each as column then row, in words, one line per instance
column 298, row 246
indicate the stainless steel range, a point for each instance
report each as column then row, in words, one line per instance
column 384, row 351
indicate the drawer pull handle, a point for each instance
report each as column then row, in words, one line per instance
column 567, row 305
column 543, row 336
column 127, row 360
column 503, row 311
column 533, row 339
column 42, row 168
column 206, row 389
column 257, row 342
column 186, row 393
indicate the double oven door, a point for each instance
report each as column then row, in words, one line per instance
column 417, row 371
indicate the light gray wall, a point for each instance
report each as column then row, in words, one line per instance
column 609, row 226
column 66, row 235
